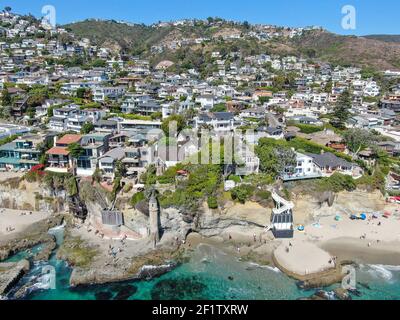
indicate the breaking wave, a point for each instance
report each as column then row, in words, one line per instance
column 383, row 272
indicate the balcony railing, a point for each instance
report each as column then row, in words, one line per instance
column 301, row 176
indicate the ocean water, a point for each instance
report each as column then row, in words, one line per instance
column 209, row 275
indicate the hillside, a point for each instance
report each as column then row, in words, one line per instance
column 316, row 44
column 384, row 37
column 350, row 50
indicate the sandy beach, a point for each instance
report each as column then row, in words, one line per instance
column 384, row 253
column 18, row 220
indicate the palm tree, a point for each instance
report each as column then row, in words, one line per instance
column 75, row 151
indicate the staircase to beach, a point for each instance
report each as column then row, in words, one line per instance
column 282, row 205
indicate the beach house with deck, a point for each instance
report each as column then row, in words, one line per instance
column 59, row 158
column 20, row 154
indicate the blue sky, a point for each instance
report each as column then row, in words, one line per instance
column 373, row 16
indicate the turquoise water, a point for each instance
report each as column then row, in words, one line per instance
column 27, row 254
column 211, row 275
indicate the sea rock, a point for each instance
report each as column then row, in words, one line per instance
column 47, row 250
column 103, row 295
column 11, row 273
column 126, row 292
column 342, row 294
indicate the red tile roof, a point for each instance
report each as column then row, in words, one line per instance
column 69, row 139
column 58, row 151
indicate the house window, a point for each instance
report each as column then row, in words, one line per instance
column 84, row 164
column 89, row 153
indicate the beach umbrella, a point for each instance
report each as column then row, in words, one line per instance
column 363, row 216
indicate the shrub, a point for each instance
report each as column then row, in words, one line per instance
column 212, row 202
column 128, row 187
column 337, row 183
column 137, row 197
column 242, row 193
column 234, row 178
column 373, row 182
column 32, row 176
column 263, row 195
column 307, row 128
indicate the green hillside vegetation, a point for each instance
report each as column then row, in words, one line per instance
column 373, row 51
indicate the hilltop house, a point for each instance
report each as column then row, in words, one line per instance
column 206, row 101
column 113, row 93
column 60, row 115
column 76, row 122
column 220, row 122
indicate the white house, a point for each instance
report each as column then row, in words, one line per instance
column 305, row 169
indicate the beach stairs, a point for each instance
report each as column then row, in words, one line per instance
column 282, row 217
column 282, row 205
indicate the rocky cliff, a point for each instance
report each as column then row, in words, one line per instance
column 32, row 196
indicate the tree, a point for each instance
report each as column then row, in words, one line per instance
column 7, row 9
column 275, row 160
column 242, row 193
column 116, row 67
column 97, row 175
column 220, row 107
column 120, row 169
column 99, row 63
column 341, row 112
column 5, row 98
column 173, row 125
column 358, row 140
column 75, row 150
column 87, row 128
column 328, row 87
column 83, row 93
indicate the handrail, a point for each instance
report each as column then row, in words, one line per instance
column 286, row 205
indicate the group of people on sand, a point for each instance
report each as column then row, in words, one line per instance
column 364, row 237
column 10, row 229
column 22, row 214
column 113, row 251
